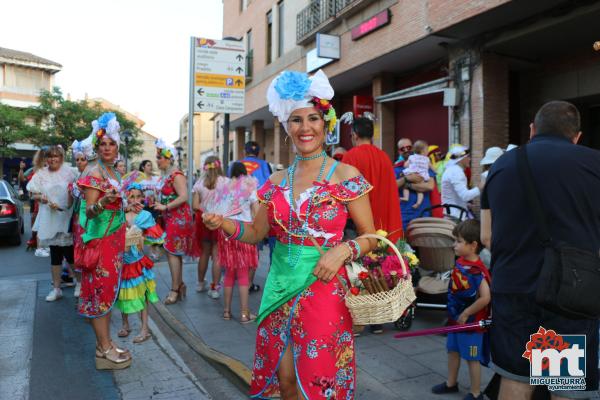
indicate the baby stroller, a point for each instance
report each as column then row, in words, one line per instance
column 433, row 242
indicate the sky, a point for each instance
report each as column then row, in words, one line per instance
column 133, row 53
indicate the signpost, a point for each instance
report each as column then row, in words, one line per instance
column 217, row 84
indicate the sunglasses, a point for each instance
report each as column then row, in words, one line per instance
column 405, row 149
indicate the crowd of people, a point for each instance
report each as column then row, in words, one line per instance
column 98, row 220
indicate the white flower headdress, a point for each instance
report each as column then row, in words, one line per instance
column 108, row 125
column 84, row 147
column 165, row 149
column 292, row 90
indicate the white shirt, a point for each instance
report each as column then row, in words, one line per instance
column 52, row 226
column 455, row 190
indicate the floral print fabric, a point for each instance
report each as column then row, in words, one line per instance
column 100, row 286
column 328, row 214
column 177, row 222
column 317, row 327
column 315, row 324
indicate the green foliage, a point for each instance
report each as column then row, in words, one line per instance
column 12, row 129
column 61, row 121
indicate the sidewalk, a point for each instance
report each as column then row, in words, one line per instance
column 48, row 353
column 387, row 368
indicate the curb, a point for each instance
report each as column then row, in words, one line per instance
column 199, row 346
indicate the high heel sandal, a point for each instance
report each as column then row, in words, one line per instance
column 247, row 317
column 180, row 294
column 172, row 299
column 106, row 361
column 226, row 315
column 117, row 349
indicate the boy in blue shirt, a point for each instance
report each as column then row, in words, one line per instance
column 468, row 301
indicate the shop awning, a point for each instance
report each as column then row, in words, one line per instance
column 435, row 86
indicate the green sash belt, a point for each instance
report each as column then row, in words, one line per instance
column 285, row 282
column 95, row 228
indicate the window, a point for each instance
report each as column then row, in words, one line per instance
column 243, row 5
column 249, row 56
column 281, row 29
column 269, row 36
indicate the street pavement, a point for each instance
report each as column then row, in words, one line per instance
column 387, row 368
column 48, row 350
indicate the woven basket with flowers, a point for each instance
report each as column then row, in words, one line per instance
column 381, row 282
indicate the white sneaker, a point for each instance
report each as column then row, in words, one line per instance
column 213, row 294
column 41, row 252
column 201, row 287
column 54, row 295
column 77, row 290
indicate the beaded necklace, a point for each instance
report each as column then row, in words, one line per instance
column 303, row 230
column 116, row 173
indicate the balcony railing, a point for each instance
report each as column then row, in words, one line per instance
column 319, row 14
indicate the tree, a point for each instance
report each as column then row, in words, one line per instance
column 61, row 121
column 12, row 130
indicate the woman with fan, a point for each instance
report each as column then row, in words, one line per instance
column 305, row 345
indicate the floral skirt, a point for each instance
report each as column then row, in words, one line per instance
column 77, row 232
column 181, row 235
column 100, row 287
column 137, row 286
column 317, row 326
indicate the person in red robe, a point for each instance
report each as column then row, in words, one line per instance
column 375, row 165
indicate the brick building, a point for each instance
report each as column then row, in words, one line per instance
column 446, row 71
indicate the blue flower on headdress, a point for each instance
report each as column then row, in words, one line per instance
column 134, row 186
column 292, row 85
column 105, row 119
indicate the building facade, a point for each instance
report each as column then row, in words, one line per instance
column 22, row 77
column 203, row 139
column 446, row 71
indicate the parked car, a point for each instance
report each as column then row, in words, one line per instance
column 11, row 214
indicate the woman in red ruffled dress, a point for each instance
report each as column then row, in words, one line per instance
column 102, row 217
column 176, row 218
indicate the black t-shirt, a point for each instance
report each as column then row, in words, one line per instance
column 567, row 180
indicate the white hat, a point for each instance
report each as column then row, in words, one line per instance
column 457, row 152
column 292, row 90
column 511, row 147
column 491, row 155
column 84, row 147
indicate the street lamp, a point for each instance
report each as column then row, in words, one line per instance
column 179, row 150
column 127, row 136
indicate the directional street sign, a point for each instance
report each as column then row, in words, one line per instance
column 219, row 76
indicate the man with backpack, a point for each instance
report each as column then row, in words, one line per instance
column 540, row 201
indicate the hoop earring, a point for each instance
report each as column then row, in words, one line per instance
column 286, row 139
